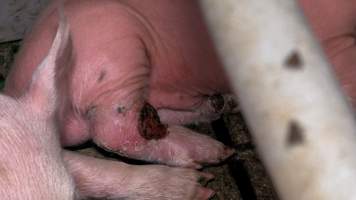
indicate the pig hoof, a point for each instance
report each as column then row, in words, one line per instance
column 204, row 193
column 162, row 182
column 224, row 154
column 227, row 152
column 223, row 103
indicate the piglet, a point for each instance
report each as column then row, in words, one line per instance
column 141, row 69
column 33, row 165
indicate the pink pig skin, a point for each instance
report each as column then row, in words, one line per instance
column 116, row 180
column 128, row 54
column 33, row 165
column 334, row 26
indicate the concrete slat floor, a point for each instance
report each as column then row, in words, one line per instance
column 241, row 177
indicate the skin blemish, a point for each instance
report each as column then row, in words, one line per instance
column 101, row 76
column 294, row 61
column 120, row 109
column 150, row 126
column 217, row 101
column 295, row 134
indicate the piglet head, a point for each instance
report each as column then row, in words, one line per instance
column 31, row 165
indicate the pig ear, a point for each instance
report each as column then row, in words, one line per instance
column 42, row 92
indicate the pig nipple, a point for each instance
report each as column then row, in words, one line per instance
column 150, row 126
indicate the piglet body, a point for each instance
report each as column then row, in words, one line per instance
column 140, row 70
column 30, row 153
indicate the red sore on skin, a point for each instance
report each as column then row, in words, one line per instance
column 150, row 126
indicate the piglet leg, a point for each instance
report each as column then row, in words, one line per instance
column 98, row 178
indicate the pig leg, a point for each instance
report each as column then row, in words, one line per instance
column 210, row 108
column 138, row 133
column 147, row 139
column 98, row 178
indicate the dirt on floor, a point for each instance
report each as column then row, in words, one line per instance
column 241, row 177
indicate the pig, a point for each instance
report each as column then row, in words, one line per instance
column 141, row 70
column 30, row 153
column 34, row 166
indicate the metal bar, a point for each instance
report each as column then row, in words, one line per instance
column 300, row 120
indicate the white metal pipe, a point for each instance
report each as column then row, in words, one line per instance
column 299, row 118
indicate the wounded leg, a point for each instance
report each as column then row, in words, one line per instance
column 139, row 134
